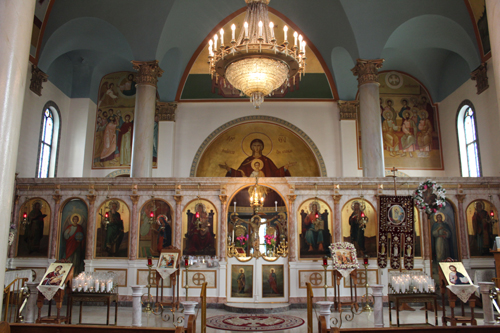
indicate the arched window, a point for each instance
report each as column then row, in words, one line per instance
column 49, row 139
column 468, row 141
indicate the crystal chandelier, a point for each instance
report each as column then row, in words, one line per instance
column 254, row 63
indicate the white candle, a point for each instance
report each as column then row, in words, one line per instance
column 271, row 26
column 96, row 285
column 276, row 205
column 304, row 47
column 232, row 239
column 215, row 41
column 246, row 29
column 103, row 287
column 295, row 35
column 235, row 206
column 260, row 28
column 300, row 41
column 285, row 30
column 210, row 43
column 233, row 29
column 221, row 37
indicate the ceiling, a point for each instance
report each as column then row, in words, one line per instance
column 82, row 40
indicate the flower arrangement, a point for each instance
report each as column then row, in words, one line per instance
column 12, row 233
column 242, row 240
column 430, row 197
column 344, row 256
column 270, row 241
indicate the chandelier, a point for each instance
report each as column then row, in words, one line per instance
column 254, row 63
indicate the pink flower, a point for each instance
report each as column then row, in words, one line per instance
column 435, row 210
column 425, row 187
column 440, row 206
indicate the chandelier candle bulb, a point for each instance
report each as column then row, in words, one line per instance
column 260, row 28
column 233, row 31
column 246, row 29
column 221, row 37
column 285, row 30
column 295, row 35
column 271, row 26
column 216, row 38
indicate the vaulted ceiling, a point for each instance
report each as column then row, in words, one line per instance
column 82, row 40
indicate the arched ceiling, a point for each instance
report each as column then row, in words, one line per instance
column 434, row 41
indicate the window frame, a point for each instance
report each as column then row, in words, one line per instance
column 460, row 121
column 56, row 137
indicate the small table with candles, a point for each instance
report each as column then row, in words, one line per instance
column 81, row 297
column 410, row 298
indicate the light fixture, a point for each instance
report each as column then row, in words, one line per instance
column 256, row 201
column 254, row 63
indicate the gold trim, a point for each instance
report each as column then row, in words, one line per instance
column 183, row 285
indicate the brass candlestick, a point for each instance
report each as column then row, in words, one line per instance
column 186, row 263
column 325, row 267
column 367, row 307
column 149, row 308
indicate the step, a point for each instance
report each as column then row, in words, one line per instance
column 256, row 308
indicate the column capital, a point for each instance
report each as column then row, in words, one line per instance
column 481, row 77
column 460, row 198
column 91, row 199
column 223, row 199
column 135, row 199
column 336, row 198
column 348, row 109
column 149, row 72
column 166, row 111
column 57, row 198
column 367, row 70
column 178, row 199
column 291, row 198
column 37, row 78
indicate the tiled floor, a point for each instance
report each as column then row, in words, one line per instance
column 96, row 314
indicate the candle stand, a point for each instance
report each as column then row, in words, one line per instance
column 149, row 297
column 367, row 307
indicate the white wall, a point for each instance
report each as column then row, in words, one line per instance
column 196, row 121
column 487, row 118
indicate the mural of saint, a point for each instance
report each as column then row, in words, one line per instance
column 265, row 166
column 113, row 230
column 153, row 237
column 360, row 226
column 410, row 124
column 199, row 237
column 242, row 281
column 314, row 232
column 73, row 233
column 482, row 227
column 272, row 281
column 33, row 240
column 114, row 122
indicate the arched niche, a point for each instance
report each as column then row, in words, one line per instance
column 155, row 232
column 34, row 231
column 482, row 227
column 358, row 230
column 199, row 228
column 314, row 220
column 112, row 233
column 257, row 231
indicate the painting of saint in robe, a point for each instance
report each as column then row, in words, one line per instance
column 199, row 236
column 73, row 234
column 155, row 236
column 113, row 230
column 33, row 240
column 264, row 166
column 242, row 281
column 272, row 281
column 315, row 236
column 482, row 227
column 360, row 227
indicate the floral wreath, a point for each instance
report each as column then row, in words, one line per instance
column 437, row 190
column 344, row 247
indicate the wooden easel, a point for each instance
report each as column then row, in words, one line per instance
column 174, row 282
column 452, row 298
column 337, row 304
column 58, row 298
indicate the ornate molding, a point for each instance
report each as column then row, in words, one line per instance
column 166, row 111
column 149, row 72
column 348, row 110
column 37, row 79
column 481, row 77
column 57, row 198
column 91, row 199
column 460, row 198
column 178, row 199
column 336, row 198
column 291, row 198
column 135, row 199
column 367, row 70
column 223, row 199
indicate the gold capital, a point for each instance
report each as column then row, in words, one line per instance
column 291, row 198
column 336, row 198
column 37, row 79
column 348, row 110
column 460, row 198
column 178, row 199
column 91, row 199
column 135, row 199
column 367, row 70
column 57, row 198
column 149, row 72
column 223, row 199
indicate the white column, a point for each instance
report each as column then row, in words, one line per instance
column 145, row 105
column 16, row 24
column 136, row 305
column 378, row 306
column 324, row 310
column 349, row 137
column 370, row 120
column 493, row 12
column 484, row 288
column 31, row 308
column 189, row 309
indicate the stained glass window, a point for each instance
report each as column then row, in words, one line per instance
column 468, row 142
column 46, row 139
